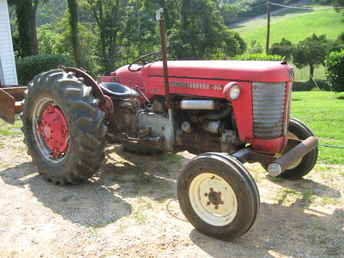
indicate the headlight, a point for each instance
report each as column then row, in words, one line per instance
column 232, row 91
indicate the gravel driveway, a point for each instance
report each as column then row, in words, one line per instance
column 129, row 209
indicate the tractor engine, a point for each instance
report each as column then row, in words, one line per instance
column 205, row 124
column 199, row 125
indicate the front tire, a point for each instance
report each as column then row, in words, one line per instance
column 300, row 131
column 63, row 127
column 218, row 196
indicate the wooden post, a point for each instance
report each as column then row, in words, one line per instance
column 268, row 27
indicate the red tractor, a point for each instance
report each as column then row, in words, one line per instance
column 228, row 112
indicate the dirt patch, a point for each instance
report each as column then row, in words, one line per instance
column 129, row 209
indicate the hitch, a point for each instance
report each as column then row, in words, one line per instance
column 11, row 102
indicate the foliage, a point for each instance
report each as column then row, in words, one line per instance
column 50, row 12
column 201, row 34
column 338, row 44
column 258, row 57
column 140, row 34
column 110, row 19
column 228, row 11
column 255, row 48
column 125, row 29
column 284, row 48
column 311, row 52
column 28, row 67
column 337, row 4
column 55, row 39
column 335, row 70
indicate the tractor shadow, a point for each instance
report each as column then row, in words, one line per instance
column 89, row 204
column 153, row 176
column 281, row 231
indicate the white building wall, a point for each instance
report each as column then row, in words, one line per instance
column 7, row 63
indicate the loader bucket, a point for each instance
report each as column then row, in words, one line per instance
column 11, row 102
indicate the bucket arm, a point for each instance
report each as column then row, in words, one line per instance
column 11, row 102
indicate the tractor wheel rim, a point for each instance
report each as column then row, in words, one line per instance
column 50, row 130
column 213, row 199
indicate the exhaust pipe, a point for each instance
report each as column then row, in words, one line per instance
column 281, row 164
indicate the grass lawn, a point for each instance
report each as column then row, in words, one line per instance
column 294, row 25
column 319, row 110
column 324, row 114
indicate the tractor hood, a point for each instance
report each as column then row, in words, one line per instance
column 254, row 71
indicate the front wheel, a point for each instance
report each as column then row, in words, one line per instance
column 218, row 196
column 299, row 131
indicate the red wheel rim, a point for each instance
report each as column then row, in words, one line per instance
column 53, row 129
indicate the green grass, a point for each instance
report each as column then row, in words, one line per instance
column 294, row 25
column 9, row 129
column 324, row 114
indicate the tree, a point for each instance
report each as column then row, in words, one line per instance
column 228, row 11
column 284, row 48
column 338, row 44
column 337, row 4
column 335, row 70
column 26, row 23
column 202, row 34
column 110, row 16
column 73, row 21
column 311, row 52
column 140, row 35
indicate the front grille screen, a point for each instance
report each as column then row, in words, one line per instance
column 268, row 109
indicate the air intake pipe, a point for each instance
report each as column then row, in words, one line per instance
column 198, row 105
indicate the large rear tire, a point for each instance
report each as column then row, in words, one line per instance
column 218, row 196
column 300, row 131
column 63, row 127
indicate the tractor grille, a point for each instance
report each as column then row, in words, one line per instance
column 268, row 109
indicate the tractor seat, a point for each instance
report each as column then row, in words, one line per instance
column 118, row 90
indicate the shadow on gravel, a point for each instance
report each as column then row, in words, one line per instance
column 89, row 204
column 282, row 231
column 152, row 176
column 307, row 188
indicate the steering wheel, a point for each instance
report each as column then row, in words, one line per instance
column 142, row 60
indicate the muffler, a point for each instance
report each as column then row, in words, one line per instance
column 279, row 165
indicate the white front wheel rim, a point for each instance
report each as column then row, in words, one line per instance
column 213, row 199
